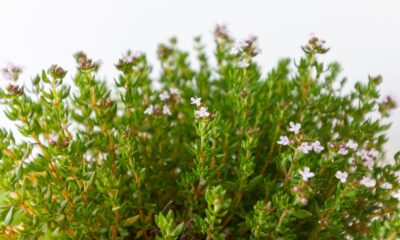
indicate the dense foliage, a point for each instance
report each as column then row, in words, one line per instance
column 217, row 151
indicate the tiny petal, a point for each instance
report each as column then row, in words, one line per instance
column 243, row 63
column 166, row 110
column 173, row 91
column 196, row 101
column 317, row 147
column 352, row 144
column 342, row 176
column 343, row 151
column 164, row 96
column 283, row 140
column 202, row 112
column 368, row 182
column 305, row 147
column 294, row 127
column 149, row 110
column 306, row 174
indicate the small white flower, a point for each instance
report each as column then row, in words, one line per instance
column 306, row 174
column 363, row 154
column 369, row 163
column 373, row 153
column 173, row 91
column 149, row 110
column 202, row 112
column 243, row 63
column 283, row 140
column 294, row 127
column 166, row 110
column 368, row 182
column 342, row 176
column 305, row 147
column 396, row 195
column 386, row 185
column 235, row 50
column 164, row 96
column 195, row 101
column 352, row 144
column 343, row 151
column 317, row 147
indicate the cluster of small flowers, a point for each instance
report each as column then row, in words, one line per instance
column 11, row 72
column 368, row 156
column 201, row 111
column 315, row 45
column 221, row 33
column 246, row 50
column 164, row 96
column 129, row 60
column 304, row 147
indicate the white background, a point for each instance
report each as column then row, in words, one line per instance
column 364, row 35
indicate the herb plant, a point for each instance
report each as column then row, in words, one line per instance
column 217, row 151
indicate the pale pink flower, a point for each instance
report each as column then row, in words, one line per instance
column 374, row 153
column 343, row 151
column 294, row 127
column 202, row 112
column 317, row 147
column 304, row 200
column 296, row 189
column 173, row 91
column 166, row 110
column 363, row 154
column 306, row 174
column 243, row 63
column 368, row 182
column 305, row 147
column 149, row 110
column 342, row 176
column 369, row 163
column 283, row 140
column 196, row 101
column 164, row 95
column 352, row 144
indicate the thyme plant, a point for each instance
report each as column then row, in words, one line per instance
column 218, row 151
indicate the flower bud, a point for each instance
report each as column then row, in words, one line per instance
column 57, row 72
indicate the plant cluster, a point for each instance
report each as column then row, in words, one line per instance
column 218, row 151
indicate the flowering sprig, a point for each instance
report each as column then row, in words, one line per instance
column 218, row 151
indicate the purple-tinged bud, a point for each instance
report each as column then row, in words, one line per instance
column 52, row 142
column 296, row 189
column 56, row 72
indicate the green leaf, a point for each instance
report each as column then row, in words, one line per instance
column 9, row 216
column 130, row 221
column 301, row 213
